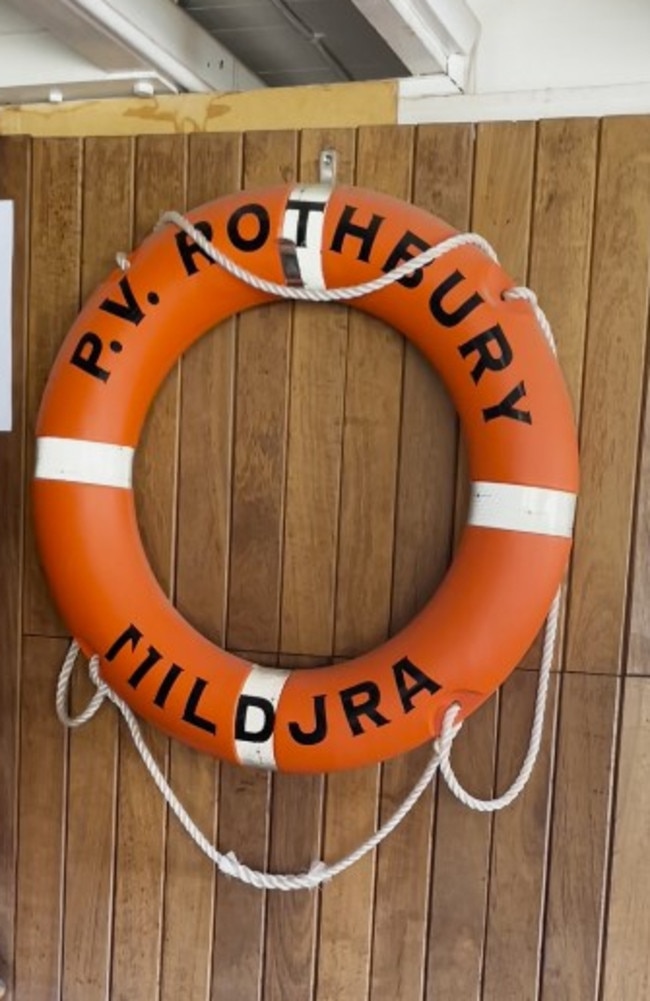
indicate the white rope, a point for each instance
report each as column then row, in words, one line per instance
column 347, row 292
column 228, row 863
column 320, row 872
column 325, row 294
column 536, row 731
column 522, row 292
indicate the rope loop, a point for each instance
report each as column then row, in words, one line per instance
column 63, row 690
column 345, row 293
column 320, row 871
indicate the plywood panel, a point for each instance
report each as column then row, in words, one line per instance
column 15, row 169
column 328, row 467
column 343, row 105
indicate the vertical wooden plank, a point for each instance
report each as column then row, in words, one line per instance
column 55, row 249
column 41, row 825
column 371, row 431
column 345, row 933
column 429, row 435
column 263, row 359
column 15, row 180
column 565, row 182
column 318, row 367
column 107, row 210
column 503, row 188
column 612, row 401
column 638, row 652
column 159, row 183
column 318, row 364
column 504, row 163
column 202, row 574
column 291, row 921
column 627, row 960
column 425, row 506
column 461, row 868
column 370, row 450
column 207, row 423
column 501, row 211
column 516, row 891
column 579, row 838
column 559, row 273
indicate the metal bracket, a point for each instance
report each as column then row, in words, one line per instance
column 327, row 164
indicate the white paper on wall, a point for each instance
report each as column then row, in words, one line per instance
column 6, row 260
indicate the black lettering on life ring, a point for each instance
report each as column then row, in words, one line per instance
column 243, row 729
column 249, row 243
column 131, row 635
column 191, row 711
column 365, row 234
column 189, row 250
column 355, row 709
column 142, row 670
column 129, row 309
column 86, row 355
column 304, row 209
column 438, row 311
column 493, row 350
column 405, row 669
column 171, row 677
column 319, row 731
column 507, row 407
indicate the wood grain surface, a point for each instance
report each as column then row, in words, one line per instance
column 300, row 486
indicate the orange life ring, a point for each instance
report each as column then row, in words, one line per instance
column 522, row 450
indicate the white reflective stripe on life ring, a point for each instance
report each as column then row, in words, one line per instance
column 77, row 461
column 303, row 224
column 255, row 716
column 516, row 508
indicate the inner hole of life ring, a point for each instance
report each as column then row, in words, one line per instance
column 297, row 484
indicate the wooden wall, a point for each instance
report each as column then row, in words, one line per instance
column 297, row 497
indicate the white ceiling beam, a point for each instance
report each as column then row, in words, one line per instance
column 126, row 35
column 429, row 36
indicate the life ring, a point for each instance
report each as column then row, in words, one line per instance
column 522, row 452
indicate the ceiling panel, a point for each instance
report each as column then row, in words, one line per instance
column 299, row 41
column 13, row 23
column 298, row 78
column 255, row 15
column 271, row 48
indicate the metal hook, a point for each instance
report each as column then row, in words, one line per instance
column 327, row 164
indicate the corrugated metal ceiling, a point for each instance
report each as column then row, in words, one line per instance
column 289, row 42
